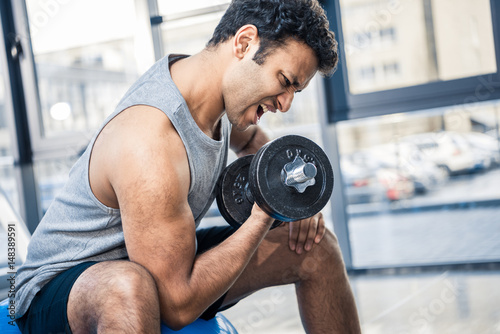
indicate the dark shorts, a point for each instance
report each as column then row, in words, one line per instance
column 48, row 310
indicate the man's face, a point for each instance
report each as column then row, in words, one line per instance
column 250, row 90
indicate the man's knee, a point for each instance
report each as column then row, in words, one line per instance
column 131, row 281
column 323, row 257
column 329, row 246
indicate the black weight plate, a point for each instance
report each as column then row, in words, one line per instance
column 279, row 200
column 233, row 201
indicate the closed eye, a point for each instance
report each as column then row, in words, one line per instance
column 288, row 84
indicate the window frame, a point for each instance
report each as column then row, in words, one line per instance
column 17, row 117
column 343, row 105
column 156, row 19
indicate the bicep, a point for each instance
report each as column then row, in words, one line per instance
column 157, row 223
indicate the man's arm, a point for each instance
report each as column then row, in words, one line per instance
column 248, row 141
column 147, row 167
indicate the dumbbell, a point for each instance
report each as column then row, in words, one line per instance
column 290, row 178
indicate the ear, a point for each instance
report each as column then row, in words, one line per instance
column 245, row 40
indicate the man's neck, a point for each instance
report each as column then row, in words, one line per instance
column 199, row 79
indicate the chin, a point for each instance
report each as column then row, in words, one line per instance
column 239, row 121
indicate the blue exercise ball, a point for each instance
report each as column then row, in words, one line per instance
column 217, row 325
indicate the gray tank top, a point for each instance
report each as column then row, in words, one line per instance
column 77, row 227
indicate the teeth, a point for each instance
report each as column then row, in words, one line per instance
column 264, row 107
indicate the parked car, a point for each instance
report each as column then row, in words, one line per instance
column 397, row 185
column 368, row 181
column 360, row 182
column 485, row 147
column 447, row 150
column 409, row 160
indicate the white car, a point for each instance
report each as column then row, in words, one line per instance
column 487, row 148
column 447, row 150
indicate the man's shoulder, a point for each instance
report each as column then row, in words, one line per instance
column 137, row 129
column 137, row 147
column 142, row 119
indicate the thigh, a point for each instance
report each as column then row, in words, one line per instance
column 48, row 311
column 102, row 287
column 112, row 291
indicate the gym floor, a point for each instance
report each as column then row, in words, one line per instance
column 441, row 301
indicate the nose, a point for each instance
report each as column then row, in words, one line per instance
column 285, row 101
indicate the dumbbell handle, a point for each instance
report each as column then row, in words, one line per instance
column 299, row 174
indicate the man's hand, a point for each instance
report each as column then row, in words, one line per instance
column 305, row 233
column 259, row 214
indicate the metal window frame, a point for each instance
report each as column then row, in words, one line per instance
column 338, row 202
column 343, row 105
column 156, row 20
column 18, row 117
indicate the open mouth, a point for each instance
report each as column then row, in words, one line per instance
column 261, row 110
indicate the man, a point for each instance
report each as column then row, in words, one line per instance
column 118, row 250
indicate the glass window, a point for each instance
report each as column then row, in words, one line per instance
column 168, row 7
column 7, row 177
column 421, row 41
column 188, row 26
column 8, row 181
column 423, row 187
column 51, row 176
column 86, row 57
column 87, row 54
column 189, row 35
column 5, row 136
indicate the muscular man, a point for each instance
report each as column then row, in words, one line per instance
column 118, row 250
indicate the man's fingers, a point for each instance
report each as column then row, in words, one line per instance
column 303, row 233
column 321, row 229
column 312, row 231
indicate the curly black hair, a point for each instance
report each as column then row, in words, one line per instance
column 278, row 20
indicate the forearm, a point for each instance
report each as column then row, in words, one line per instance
column 249, row 142
column 211, row 275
